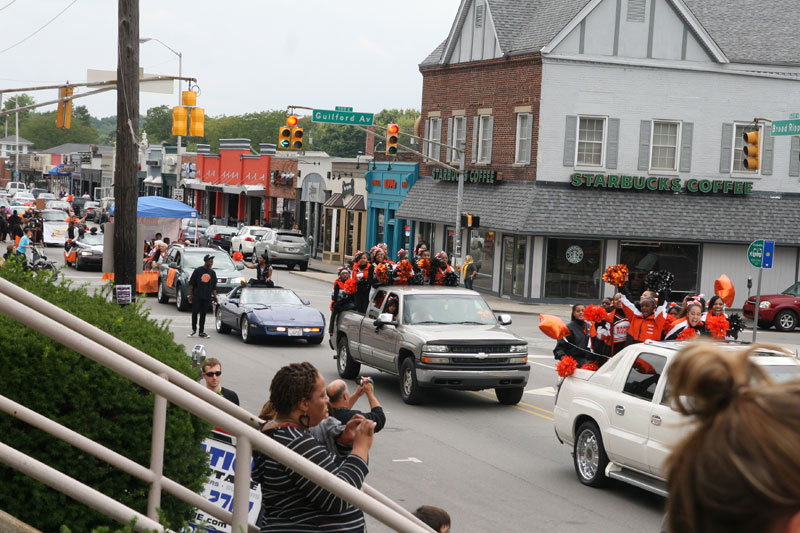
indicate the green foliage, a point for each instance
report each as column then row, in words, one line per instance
column 106, row 129
column 40, row 129
column 158, row 125
column 10, row 103
column 59, row 383
column 335, row 139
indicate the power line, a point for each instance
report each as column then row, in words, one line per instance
column 8, row 4
column 40, row 29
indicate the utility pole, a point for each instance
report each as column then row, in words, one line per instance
column 125, row 170
column 16, row 132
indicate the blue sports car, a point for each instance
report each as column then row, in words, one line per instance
column 261, row 312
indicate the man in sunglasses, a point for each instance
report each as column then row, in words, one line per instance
column 212, row 371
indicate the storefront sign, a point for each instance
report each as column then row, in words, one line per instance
column 574, row 254
column 213, row 188
column 661, row 184
column 470, row 176
column 348, row 189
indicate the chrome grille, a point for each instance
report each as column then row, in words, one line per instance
column 463, row 348
column 474, row 361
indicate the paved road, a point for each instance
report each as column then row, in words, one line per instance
column 493, row 467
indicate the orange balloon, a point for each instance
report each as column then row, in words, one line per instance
column 723, row 287
column 553, row 327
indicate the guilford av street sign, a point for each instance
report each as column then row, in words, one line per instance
column 342, row 117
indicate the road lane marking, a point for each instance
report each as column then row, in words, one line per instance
column 544, row 391
column 485, row 394
column 408, row 460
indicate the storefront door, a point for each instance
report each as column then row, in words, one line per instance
column 513, row 283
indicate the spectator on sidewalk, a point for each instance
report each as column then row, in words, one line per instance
column 340, row 403
column 212, row 374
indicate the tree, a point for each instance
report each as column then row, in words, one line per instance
column 40, row 129
column 336, row 139
column 405, row 118
column 81, row 114
column 158, row 125
column 24, row 100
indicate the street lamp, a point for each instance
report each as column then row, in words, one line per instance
column 180, row 74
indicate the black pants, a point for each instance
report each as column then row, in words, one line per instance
column 199, row 306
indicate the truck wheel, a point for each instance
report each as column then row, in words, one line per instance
column 589, row 455
column 348, row 369
column 303, row 267
column 409, row 388
column 509, row 395
column 162, row 295
column 785, row 320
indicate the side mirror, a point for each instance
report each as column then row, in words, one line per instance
column 234, row 301
column 306, row 302
column 239, row 266
column 504, row 319
column 385, row 319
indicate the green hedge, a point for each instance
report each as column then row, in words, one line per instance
column 86, row 397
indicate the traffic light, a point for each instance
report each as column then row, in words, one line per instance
column 179, row 118
column 291, row 121
column 197, row 122
column 64, row 112
column 470, row 221
column 189, row 98
column 285, row 138
column 297, row 138
column 751, row 149
column 392, row 137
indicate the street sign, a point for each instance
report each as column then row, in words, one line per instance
column 785, row 127
column 794, row 115
column 768, row 255
column 342, row 117
column 347, row 109
column 760, row 253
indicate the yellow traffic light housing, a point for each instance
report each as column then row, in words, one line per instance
column 189, row 98
column 392, row 138
column 297, row 138
column 179, row 120
column 751, row 149
column 64, row 112
column 285, row 138
column 291, row 121
column 197, row 122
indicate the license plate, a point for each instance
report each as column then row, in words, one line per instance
column 295, row 332
column 291, row 250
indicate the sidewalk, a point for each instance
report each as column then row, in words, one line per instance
column 327, row 272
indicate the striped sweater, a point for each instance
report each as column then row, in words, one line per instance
column 294, row 504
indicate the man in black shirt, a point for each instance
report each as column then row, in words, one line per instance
column 340, row 403
column 212, row 370
column 202, row 288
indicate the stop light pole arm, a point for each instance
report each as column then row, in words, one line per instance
column 57, row 100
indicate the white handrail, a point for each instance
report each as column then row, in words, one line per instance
column 57, row 330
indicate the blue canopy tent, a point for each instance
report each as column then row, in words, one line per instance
column 160, row 207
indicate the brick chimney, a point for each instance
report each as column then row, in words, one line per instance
column 369, row 149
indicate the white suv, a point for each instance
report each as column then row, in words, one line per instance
column 619, row 421
column 13, row 187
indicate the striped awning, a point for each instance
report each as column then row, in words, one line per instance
column 335, row 201
column 356, row 203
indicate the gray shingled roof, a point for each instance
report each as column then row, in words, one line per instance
column 12, row 139
column 538, row 209
column 752, row 32
column 746, row 31
column 71, row 148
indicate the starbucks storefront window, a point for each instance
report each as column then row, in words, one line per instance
column 481, row 248
column 680, row 259
column 574, row 269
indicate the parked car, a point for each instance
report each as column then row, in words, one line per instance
column 37, row 192
column 77, row 205
column 191, row 226
column 184, row 259
column 47, row 196
column 444, row 337
column 285, row 247
column 262, row 312
column 218, row 236
column 245, row 240
column 779, row 310
column 13, row 187
column 92, row 210
column 88, row 248
column 23, row 198
column 619, row 420
column 61, row 205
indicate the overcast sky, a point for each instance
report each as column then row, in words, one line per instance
column 248, row 56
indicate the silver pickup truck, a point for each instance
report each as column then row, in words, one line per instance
column 437, row 337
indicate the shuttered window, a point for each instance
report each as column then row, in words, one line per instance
column 524, row 134
column 485, row 125
column 591, row 136
column 458, row 136
column 434, row 134
column 664, row 145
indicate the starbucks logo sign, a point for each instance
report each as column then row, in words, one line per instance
column 574, row 254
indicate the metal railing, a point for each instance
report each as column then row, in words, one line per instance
column 168, row 385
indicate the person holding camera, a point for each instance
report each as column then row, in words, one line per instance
column 340, row 403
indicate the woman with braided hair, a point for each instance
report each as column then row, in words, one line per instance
column 738, row 470
column 297, row 402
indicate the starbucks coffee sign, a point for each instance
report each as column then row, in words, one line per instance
column 661, row 184
column 574, row 254
column 470, row 176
